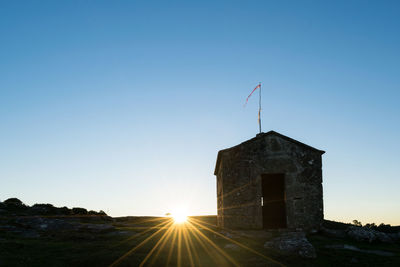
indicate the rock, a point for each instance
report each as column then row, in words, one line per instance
column 292, row 243
column 364, row 234
column 360, row 234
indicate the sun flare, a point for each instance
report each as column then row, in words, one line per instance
column 178, row 215
column 179, row 218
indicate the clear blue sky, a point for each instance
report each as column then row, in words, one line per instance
column 123, row 105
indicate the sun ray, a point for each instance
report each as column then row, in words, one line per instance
column 115, row 263
column 201, row 242
column 201, row 222
column 209, row 241
column 156, row 246
column 179, row 254
column 138, row 225
column 238, row 243
column 195, row 252
column 215, row 255
column 196, row 260
column 170, row 232
column 211, row 253
column 235, row 190
column 148, row 219
column 160, row 225
column 171, row 248
column 101, row 251
column 189, row 251
column 182, row 235
column 248, row 204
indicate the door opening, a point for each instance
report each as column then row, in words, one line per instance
column 273, row 200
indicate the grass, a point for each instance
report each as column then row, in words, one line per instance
column 196, row 245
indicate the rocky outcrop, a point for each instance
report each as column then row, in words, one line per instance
column 362, row 234
column 370, row 235
column 292, row 243
column 45, row 219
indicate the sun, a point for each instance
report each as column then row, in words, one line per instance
column 179, row 216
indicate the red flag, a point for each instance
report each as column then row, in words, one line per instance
column 247, row 99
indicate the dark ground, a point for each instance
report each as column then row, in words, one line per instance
column 102, row 241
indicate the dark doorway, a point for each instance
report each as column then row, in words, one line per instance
column 273, row 200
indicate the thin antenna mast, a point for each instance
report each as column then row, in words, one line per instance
column 259, row 108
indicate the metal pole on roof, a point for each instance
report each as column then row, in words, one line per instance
column 259, row 108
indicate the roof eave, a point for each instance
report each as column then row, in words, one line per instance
column 263, row 134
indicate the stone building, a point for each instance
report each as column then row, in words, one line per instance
column 270, row 181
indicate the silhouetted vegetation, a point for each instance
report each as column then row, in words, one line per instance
column 79, row 211
column 15, row 207
column 385, row 228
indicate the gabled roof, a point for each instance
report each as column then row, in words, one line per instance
column 261, row 135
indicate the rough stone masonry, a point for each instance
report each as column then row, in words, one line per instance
column 270, row 181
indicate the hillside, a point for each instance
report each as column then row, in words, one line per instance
column 55, row 238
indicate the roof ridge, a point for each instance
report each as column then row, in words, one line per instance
column 262, row 134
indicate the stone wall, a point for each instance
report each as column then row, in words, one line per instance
column 239, row 172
